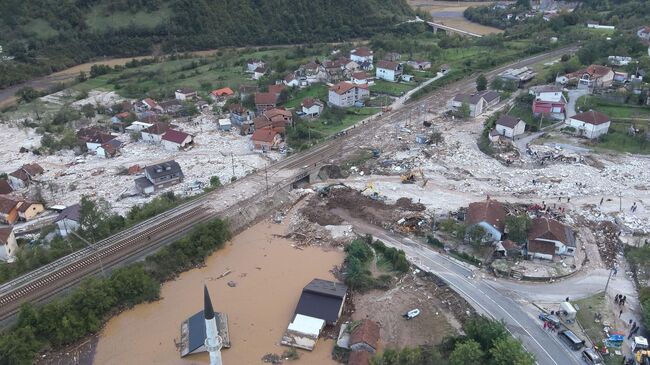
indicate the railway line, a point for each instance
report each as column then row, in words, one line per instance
column 65, row 272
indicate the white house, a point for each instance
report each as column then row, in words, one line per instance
column 251, row 65
column 477, row 104
column 389, row 71
column 185, row 93
column 361, row 78
column 361, row 55
column 312, row 107
column 548, row 237
column 154, row 133
column 259, row 72
column 68, row 220
column 619, row 60
column 8, row 245
column 346, row 94
column 174, row 140
column 509, row 126
column 291, row 80
column 590, row 124
column 138, row 126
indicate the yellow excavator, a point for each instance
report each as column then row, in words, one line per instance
column 375, row 193
column 642, row 357
column 410, row 177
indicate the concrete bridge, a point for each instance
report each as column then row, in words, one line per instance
column 449, row 29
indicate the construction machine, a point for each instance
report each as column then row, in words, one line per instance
column 410, row 177
column 642, row 357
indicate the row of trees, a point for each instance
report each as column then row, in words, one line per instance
column 97, row 223
column 191, row 26
column 485, row 342
column 64, row 321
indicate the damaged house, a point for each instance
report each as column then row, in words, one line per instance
column 548, row 238
column 489, row 215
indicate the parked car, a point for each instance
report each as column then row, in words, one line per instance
column 411, row 314
column 552, row 319
column 591, row 357
column 573, row 341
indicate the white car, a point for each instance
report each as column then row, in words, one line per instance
column 411, row 314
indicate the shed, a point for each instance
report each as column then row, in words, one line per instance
column 303, row 332
column 225, row 124
column 322, row 299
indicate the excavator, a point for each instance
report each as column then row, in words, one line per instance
column 642, row 357
column 375, row 193
column 410, row 177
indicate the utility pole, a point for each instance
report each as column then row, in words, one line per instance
column 540, row 121
column 266, row 177
column 620, row 202
column 91, row 245
column 232, row 160
column 609, row 278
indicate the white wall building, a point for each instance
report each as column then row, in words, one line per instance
column 590, row 124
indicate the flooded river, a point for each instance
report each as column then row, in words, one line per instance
column 269, row 276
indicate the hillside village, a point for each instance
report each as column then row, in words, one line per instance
column 534, row 173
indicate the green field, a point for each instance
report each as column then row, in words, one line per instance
column 392, row 88
column 585, row 316
column 614, row 111
column 318, row 91
column 618, row 140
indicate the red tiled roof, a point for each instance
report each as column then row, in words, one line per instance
column 158, row 128
column 549, row 229
column 266, row 98
column 388, row 65
column 360, row 75
column 543, row 247
column 33, row 169
column 309, row 102
column 5, row 188
column 343, row 87
column 277, row 111
column 237, row 108
column 6, row 205
column 150, row 102
column 367, row 332
column 175, row 136
column 123, row 115
column 276, row 89
column 5, row 232
column 490, row 211
column 362, row 52
column 264, row 135
column 592, row 117
column 225, row 91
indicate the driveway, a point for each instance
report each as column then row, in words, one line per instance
column 574, row 95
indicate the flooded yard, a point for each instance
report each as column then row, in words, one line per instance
column 268, row 274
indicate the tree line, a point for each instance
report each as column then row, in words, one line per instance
column 84, row 311
column 192, row 25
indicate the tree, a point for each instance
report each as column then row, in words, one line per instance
column 467, row 353
column 88, row 110
column 485, row 331
column 91, row 215
column 509, row 351
column 27, row 94
column 475, row 235
column 215, row 182
column 464, row 111
column 481, row 82
column 497, row 83
column 518, row 227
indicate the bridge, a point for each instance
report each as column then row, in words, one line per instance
column 449, row 29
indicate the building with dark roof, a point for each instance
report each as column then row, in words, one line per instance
column 5, row 187
column 322, row 299
column 159, row 176
column 8, row 210
column 68, row 220
column 174, row 140
column 509, row 126
column 24, row 175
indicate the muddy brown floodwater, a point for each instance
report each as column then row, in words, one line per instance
column 269, row 274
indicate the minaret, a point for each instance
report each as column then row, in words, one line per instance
column 213, row 341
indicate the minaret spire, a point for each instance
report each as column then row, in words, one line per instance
column 213, row 341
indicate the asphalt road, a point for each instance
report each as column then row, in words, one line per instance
column 485, row 297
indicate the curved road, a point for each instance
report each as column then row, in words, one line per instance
column 486, row 296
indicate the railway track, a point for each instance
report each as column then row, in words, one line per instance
column 63, row 273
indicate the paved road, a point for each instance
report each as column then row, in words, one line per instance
column 486, row 297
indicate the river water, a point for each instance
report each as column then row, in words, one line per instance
column 269, row 274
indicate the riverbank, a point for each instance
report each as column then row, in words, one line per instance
column 262, row 266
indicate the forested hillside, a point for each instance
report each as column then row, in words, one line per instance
column 49, row 35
